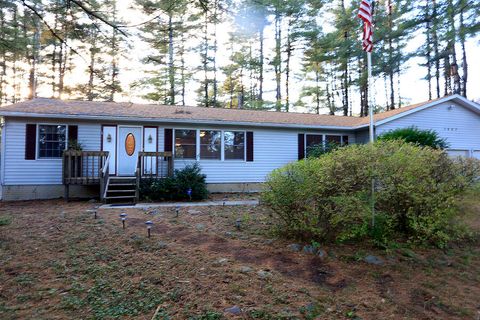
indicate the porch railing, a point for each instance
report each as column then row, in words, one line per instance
column 155, row 165
column 84, row 168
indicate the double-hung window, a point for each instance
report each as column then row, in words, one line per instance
column 51, row 140
column 210, row 144
column 186, row 144
column 234, row 145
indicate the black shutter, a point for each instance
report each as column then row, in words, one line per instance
column 301, row 146
column 30, row 141
column 72, row 133
column 168, row 140
column 249, row 146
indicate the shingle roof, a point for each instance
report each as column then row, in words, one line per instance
column 44, row 106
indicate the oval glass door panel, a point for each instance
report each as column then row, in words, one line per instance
column 130, row 144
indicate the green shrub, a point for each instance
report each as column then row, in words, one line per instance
column 425, row 138
column 328, row 198
column 176, row 187
column 320, row 149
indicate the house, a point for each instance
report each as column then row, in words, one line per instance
column 124, row 142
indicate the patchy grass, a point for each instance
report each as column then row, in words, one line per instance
column 57, row 261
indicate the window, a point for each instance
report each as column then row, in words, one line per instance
column 185, row 144
column 313, row 140
column 210, row 144
column 51, row 141
column 333, row 139
column 234, row 145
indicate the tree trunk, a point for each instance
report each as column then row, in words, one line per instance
column 428, row 49
column 91, row 74
column 182, row 66
column 171, row 67
column 3, row 62
column 287, row 68
column 452, row 50
column 214, row 58
column 278, row 60
column 317, row 88
column 260, row 71
column 464, row 54
column 35, row 57
column 390, row 56
column 435, row 47
column 205, row 58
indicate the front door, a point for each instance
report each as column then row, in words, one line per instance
column 129, row 144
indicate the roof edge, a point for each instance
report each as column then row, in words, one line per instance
column 173, row 120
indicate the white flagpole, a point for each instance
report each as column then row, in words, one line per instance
column 371, row 127
column 370, row 97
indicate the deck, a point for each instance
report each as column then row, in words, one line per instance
column 92, row 168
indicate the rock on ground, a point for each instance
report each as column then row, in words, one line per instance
column 371, row 259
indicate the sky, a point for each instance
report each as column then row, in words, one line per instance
column 413, row 88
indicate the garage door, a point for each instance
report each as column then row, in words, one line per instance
column 476, row 154
column 458, row 153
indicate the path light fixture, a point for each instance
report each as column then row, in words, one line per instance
column 189, row 193
column 123, row 216
column 238, row 223
column 95, row 214
column 149, row 227
column 177, row 211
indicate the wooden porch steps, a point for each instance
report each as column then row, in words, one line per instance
column 121, row 190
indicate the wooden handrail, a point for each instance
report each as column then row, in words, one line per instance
column 106, row 164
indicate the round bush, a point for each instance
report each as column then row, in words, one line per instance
column 328, row 198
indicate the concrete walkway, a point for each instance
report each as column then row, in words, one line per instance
column 182, row 204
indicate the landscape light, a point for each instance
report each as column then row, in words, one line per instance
column 238, row 223
column 189, row 193
column 123, row 216
column 149, row 227
column 177, row 211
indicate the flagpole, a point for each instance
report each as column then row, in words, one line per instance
column 371, row 128
column 370, row 95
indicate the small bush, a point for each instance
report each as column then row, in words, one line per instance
column 321, row 149
column 328, row 198
column 424, row 138
column 176, row 187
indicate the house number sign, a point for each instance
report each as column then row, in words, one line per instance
column 130, row 144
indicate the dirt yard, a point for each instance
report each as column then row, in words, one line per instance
column 58, row 262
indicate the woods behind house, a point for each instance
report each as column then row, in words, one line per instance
column 271, row 45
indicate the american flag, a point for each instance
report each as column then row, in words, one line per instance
column 366, row 14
